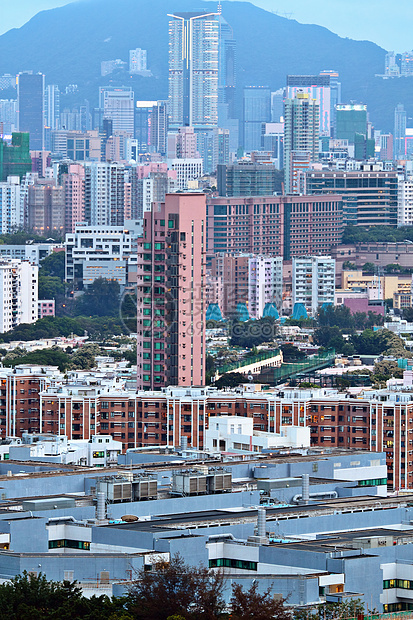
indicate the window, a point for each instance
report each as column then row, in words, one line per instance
column 232, row 563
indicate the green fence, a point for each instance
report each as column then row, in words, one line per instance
column 288, row 371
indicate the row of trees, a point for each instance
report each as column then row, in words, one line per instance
column 98, row 328
column 173, row 591
column 359, row 234
column 82, row 358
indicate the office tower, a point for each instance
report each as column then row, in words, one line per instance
column 70, row 120
column 104, row 194
column 400, row 118
column 30, row 98
column 226, row 66
column 193, row 70
column 274, row 225
column 18, row 293
column 335, row 97
column 364, row 147
column 170, row 294
column 221, row 141
column 277, row 105
column 52, row 106
column 74, row 191
column 314, row 282
column 265, row 284
column 350, row 119
column 77, row 145
column 188, row 171
column 143, row 112
column 318, row 88
column 45, row 208
column 117, row 104
column 137, row 61
column 246, row 178
column 15, row 158
column 10, row 216
column 391, row 68
column 301, row 135
column 256, row 110
column 272, row 141
column 369, row 195
column 158, row 128
column 8, row 116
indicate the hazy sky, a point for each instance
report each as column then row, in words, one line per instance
column 380, row 21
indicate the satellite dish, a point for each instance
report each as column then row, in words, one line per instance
column 250, row 377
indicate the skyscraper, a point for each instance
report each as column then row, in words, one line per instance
column 104, row 194
column 350, row 119
column 158, row 130
column 170, row 293
column 52, row 106
column 318, row 87
column 400, row 118
column 137, row 60
column 335, row 97
column 117, row 104
column 30, row 98
column 301, row 135
column 193, row 70
column 257, row 110
column 226, row 65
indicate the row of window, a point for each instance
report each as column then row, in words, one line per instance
column 232, row 563
column 69, row 544
column 372, row 483
column 404, row 584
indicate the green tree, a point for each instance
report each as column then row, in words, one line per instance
column 407, row 314
column 54, row 265
column 50, row 287
column 336, row 316
column 291, row 353
column 349, row 265
column 42, row 357
column 84, row 357
column 28, row 597
column 254, row 605
column 177, row 589
column 230, row 379
column 100, row 299
column 369, row 267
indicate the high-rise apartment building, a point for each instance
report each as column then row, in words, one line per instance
column 104, row 194
column 265, row 284
column 314, row 279
column 74, row 189
column 256, row 111
column 193, row 69
column 318, row 88
column 143, row 116
column 301, row 135
column 18, row 293
column 10, row 205
column 399, row 144
column 45, row 207
column 117, row 104
column 405, row 202
column 158, row 131
column 137, row 60
column 232, row 272
column 170, row 294
column 30, row 98
column 52, row 106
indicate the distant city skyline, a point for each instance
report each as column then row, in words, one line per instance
column 372, row 20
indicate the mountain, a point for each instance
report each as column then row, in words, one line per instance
column 69, row 43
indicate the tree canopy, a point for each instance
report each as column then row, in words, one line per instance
column 100, row 299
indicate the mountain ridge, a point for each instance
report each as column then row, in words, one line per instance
column 68, row 43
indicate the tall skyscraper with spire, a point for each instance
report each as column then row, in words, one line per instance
column 193, row 70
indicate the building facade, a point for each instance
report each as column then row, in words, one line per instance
column 170, row 293
column 314, row 279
